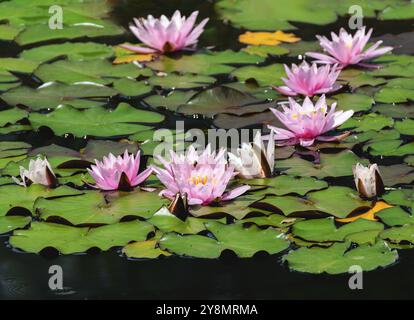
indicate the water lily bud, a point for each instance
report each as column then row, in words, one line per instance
column 368, row 180
column 39, row 172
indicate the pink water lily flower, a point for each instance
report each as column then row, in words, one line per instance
column 118, row 173
column 165, row 35
column 309, row 80
column 345, row 49
column 202, row 177
column 308, row 122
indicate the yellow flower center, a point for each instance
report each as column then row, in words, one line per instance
column 199, row 180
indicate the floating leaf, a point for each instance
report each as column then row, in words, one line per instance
column 286, row 184
column 73, row 51
column 168, row 222
column 131, row 87
column 96, row 71
column 204, row 63
column 55, row 94
column 41, row 32
column 96, row 121
column 265, row 76
column 17, row 196
column 323, row 230
column 323, row 201
column 353, row 101
column 264, row 51
column 371, row 121
column 245, row 242
column 222, row 100
column 10, row 223
column 185, row 81
column 331, row 165
column 144, row 249
column 67, row 239
column 171, row 101
column 11, row 116
column 395, row 216
column 93, row 208
column 337, row 259
column 404, row 233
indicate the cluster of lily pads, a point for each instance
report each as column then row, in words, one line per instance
column 304, row 194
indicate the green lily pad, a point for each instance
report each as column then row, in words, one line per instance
column 397, row 174
column 10, row 223
column 73, row 51
column 131, row 87
column 97, row 121
column 172, row 101
column 204, row 63
column 17, row 196
column 336, row 259
column 11, row 116
column 394, row 95
column 94, row 208
column 238, row 208
column 323, row 201
column 323, row 230
column 41, row 32
column 222, row 100
column 96, row 71
column 168, row 222
column 405, row 127
column 16, row 64
column 353, row 101
column 67, row 239
column 185, row 81
column 273, row 220
column 371, row 121
column 395, row 111
column 389, row 148
column 191, row 245
column 144, row 250
column 402, row 197
column 285, row 184
column 356, row 78
column 404, row 233
column 56, row 94
column 264, row 51
column 265, row 76
column 245, row 242
column 331, row 165
column 395, row 216
column 9, row 32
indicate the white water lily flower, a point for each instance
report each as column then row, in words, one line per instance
column 39, row 172
column 253, row 160
column 368, row 180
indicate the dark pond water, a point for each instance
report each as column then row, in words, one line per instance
column 106, row 275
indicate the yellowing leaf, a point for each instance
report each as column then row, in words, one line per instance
column 267, row 38
column 134, row 57
column 370, row 214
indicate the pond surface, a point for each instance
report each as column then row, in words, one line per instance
column 36, row 223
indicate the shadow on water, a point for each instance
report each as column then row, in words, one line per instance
column 107, row 275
